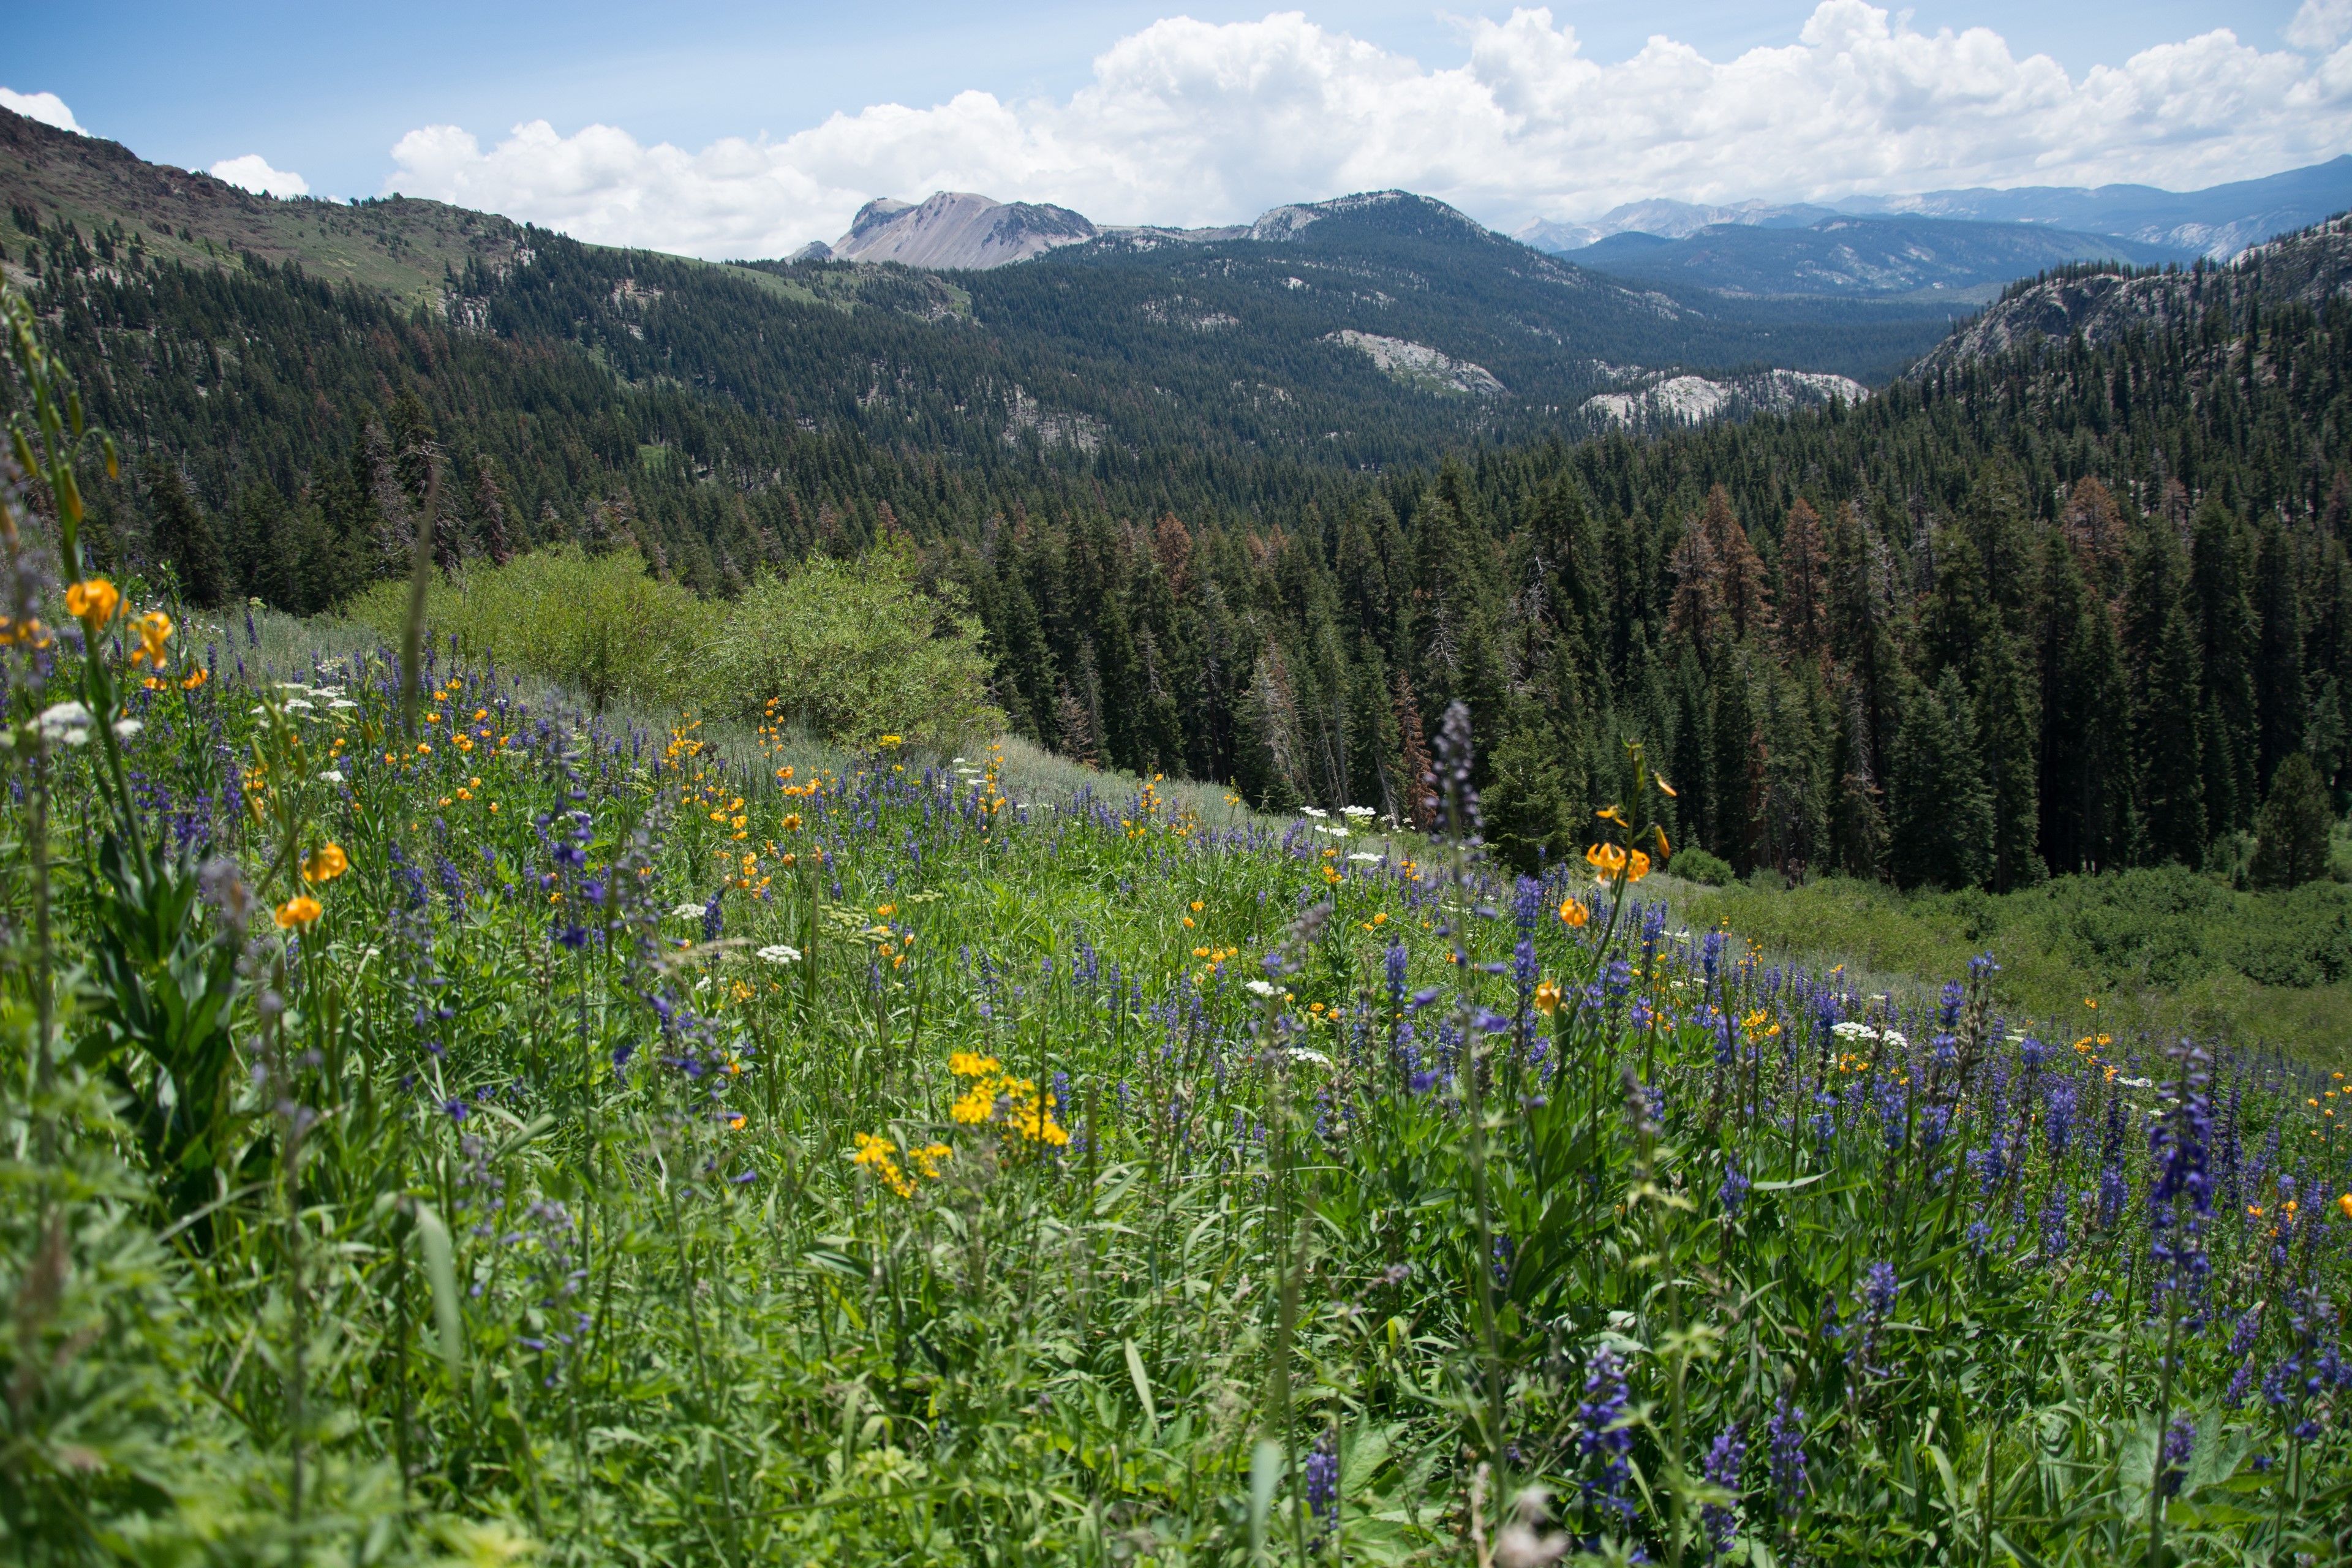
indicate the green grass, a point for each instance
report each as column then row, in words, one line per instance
column 482, row 1244
column 2162, row 951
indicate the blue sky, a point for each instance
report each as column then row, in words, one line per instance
column 329, row 91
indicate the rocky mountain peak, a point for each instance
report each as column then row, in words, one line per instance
column 957, row 229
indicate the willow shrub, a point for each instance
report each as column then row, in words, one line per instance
column 598, row 624
column 853, row 650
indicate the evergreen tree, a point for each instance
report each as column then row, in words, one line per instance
column 268, row 556
column 492, row 533
column 2007, row 724
column 2169, row 734
column 2087, row 749
column 185, row 538
column 2295, row 827
column 1804, row 585
column 1791, row 808
column 2230, row 639
column 1941, row 816
column 1526, row 803
column 2279, row 697
column 1417, row 808
column 1739, row 572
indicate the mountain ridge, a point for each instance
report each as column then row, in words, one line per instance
column 2102, row 305
column 2217, row 221
column 1956, row 261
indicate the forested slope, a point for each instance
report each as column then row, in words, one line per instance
column 2054, row 603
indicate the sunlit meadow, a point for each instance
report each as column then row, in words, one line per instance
column 442, row 1123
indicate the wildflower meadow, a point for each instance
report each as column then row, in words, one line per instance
column 441, row 1122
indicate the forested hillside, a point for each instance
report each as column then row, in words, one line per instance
column 2060, row 608
column 2057, row 602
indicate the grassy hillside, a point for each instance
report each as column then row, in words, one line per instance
column 406, row 248
column 2160, row 950
column 532, row 1131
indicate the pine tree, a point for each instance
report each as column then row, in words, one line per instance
column 185, row 538
column 1804, row 585
column 2230, row 638
column 269, row 556
column 1567, row 563
column 2279, row 697
column 2170, row 735
column 1735, row 760
column 491, row 533
column 1941, row 816
column 1959, row 617
column 1792, row 817
column 2085, row 793
column 2006, row 726
column 1739, row 571
column 2297, row 822
column 1414, row 808
column 1525, row 802
column 1858, row 817
column 2093, row 529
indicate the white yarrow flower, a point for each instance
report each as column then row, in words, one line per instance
column 126, row 728
column 67, row 721
column 1260, row 987
column 1313, row 811
column 1356, row 810
column 779, row 953
column 687, row 911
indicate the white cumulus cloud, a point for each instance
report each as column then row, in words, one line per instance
column 254, row 173
column 1190, row 123
column 46, row 107
column 2320, row 23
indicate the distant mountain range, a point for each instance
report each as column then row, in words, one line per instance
column 1945, row 248
column 2217, row 222
column 1953, row 261
column 1360, row 332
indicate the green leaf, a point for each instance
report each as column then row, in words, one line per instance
column 443, row 1272
column 1142, row 1389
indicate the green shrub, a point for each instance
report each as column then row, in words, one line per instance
column 855, row 650
column 1696, row 865
column 598, row 624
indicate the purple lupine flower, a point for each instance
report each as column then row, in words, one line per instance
column 714, row 920
column 1322, row 1478
column 2180, row 1194
column 1894, row 1107
column 1733, row 1193
column 2054, row 1233
column 1786, row 1436
column 1527, row 905
column 2179, row 1442
column 1724, row 1458
column 1879, row 1285
column 1450, row 777
column 1604, row 1433
column 2058, row 1106
column 2115, row 1187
